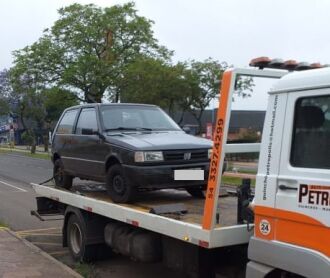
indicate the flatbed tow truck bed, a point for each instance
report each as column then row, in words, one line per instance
column 199, row 242
column 183, row 226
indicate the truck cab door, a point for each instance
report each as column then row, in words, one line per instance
column 302, row 200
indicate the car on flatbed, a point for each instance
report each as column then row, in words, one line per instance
column 130, row 147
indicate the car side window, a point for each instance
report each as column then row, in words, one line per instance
column 311, row 144
column 87, row 120
column 67, row 121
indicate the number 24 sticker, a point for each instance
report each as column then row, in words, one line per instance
column 264, row 227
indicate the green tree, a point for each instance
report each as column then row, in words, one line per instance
column 36, row 106
column 5, row 90
column 206, row 76
column 153, row 81
column 87, row 49
column 55, row 100
column 188, row 86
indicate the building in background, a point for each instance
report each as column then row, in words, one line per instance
column 242, row 122
column 10, row 129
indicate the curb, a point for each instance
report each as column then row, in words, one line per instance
column 44, row 254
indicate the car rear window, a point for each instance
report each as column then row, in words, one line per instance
column 66, row 124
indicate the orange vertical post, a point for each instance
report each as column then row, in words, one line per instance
column 214, row 179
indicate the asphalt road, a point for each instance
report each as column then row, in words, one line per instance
column 17, row 199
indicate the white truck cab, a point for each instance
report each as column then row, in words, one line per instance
column 292, row 195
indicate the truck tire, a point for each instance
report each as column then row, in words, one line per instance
column 118, row 187
column 60, row 177
column 76, row 236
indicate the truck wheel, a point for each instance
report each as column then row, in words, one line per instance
column 197, row 192
column 60, row 177
column 76, row 235
column 118, row 186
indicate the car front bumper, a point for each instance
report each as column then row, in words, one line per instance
column 162, row 176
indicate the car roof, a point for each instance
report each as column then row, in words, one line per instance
column 109, row 104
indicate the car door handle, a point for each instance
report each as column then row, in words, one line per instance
column 285, row 187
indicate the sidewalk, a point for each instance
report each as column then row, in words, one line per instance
column 19, row 258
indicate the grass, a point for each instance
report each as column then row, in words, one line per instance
column 231, row 167
column 26, row 153
column 246, row 171
column 38, row 155
column 85, row 270
column 3, row 225
column 235, row 181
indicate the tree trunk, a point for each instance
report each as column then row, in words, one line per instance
column 46, row 143
column 33, row 145
column 98, row 98
column 117, row 96
column 181, row 117
column 93, row 96
column 170, row 109
column 199, row 120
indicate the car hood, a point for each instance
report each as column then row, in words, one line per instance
column 169, row 140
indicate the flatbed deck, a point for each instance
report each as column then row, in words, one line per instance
column 146, row 201
column 184, row 226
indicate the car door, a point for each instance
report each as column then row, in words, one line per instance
column 63, row 138
column 88, row 147
column 303, row 187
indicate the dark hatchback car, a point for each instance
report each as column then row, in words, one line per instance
column 131, row 147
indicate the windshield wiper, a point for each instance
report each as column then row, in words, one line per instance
column 128, row 128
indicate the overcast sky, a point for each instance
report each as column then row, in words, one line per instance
column 234, row 31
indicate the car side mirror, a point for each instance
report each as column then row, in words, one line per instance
column 186, row 129
column 88, row 131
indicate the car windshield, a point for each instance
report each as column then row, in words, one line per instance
column 131, row 117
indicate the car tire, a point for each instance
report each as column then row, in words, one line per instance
column 197, row 192
column 79, row 250
column 60, row 177
column 118, row 187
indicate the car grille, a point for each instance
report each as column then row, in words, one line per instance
column 183, row 155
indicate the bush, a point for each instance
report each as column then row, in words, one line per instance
column 27, row 138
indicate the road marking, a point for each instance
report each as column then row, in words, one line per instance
column 36, row 234
column 39, row 230
column 58, row 252
column 46, row 243
column 10, row 185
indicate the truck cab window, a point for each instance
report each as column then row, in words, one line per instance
column 311, row 144
column 66, row 124
column 87, row 120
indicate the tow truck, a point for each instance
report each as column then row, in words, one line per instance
column 280, row 230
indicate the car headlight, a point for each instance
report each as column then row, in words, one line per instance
column 148, row 156
column 209, row 153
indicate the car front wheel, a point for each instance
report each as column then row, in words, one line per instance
column 118, row 186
